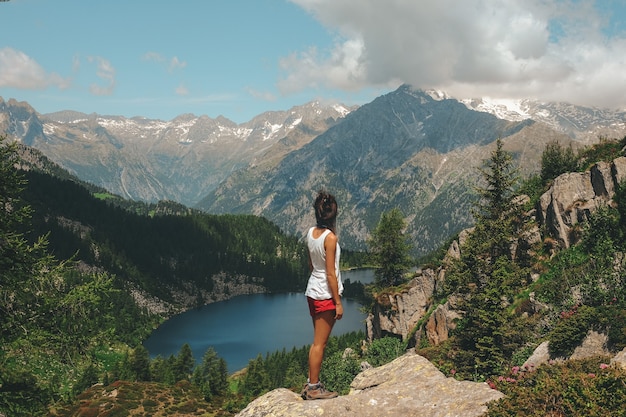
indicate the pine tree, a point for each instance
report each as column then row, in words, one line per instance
column 211, row 376
column 184, row 363
column 390, row 249
column 495, row 213
column 486, row 272
column 256, row 380
column 556, row 160
column 139, row 363
column 16, row 260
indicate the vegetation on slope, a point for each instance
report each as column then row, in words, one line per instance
column 582, row 288
column 53, row 346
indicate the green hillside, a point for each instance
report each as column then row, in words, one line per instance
column 71, row 255
column 69, row 321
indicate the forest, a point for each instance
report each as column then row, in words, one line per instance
column 72, row 253
column 65, row 327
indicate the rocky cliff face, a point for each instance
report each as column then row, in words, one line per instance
column 574, row 196
column 408, row 386
column 571, row 199
column 397, row 314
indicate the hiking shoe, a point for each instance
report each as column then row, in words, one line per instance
column 317, row 392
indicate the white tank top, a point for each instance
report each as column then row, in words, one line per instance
column 317, row 287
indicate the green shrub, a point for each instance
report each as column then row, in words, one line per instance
column 571, row 330
column 382, row 351
column 589, row 388
column 613, row 319
column 338, row 372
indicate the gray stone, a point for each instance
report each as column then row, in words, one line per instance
column 408, row 386
column 595, row 344
column 573, row 196
column 619, row 360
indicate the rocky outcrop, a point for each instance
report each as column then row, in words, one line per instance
column 439, row 324
column 619, row 360
column 225, row 286
column 408, row 386
column 397, row 313
column 575, row 195
column 594, row 344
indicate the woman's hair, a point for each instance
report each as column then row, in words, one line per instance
column 325, row 207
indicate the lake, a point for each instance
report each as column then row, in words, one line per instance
column 241, row 328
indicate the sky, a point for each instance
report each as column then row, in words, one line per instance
column 240, row 58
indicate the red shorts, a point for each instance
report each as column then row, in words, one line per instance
column 318, row 306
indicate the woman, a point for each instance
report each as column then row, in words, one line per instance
column 323, row 290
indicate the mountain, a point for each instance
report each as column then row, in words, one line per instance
column 412, row 149
column 584, row 124
column 142, row 159
column 409, row 149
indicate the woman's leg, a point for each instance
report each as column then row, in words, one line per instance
column 322, row 325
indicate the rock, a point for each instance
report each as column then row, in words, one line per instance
column 565, row 204
column 440, row 322
column 573, row 196
column 398, row 313
column 540, row 356
column 408, row 386
column 595, row 344
column 619, row 360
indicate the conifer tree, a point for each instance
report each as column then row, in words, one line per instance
column 556, row 160
column 139, row 363
column 390, row 249
column 15, row 253
column 257, row 380
column 487, row 273
column 184, row 363
column 211, row 376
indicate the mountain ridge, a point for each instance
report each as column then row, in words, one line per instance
column 151, row 160
column 263, row 166
column 405, row 149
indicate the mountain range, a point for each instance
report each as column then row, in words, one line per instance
column 411, row 149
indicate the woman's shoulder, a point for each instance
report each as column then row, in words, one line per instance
column 330, row 237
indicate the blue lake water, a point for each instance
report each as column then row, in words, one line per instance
column 243, row 327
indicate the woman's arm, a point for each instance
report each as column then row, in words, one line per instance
column 330, row 246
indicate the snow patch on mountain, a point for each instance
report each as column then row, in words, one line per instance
column 343, row 111
column 507, row 109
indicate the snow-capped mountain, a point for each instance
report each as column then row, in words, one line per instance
column 412, row 149
column 584, row 124
column 144, row 159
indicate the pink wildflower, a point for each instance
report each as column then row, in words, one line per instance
column 603, row 366
column 591, row 375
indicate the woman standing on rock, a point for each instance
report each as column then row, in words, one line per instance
column 323, row 290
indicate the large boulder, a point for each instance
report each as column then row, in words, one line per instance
column 408, row 386
column 574, row 196
column 397, row 313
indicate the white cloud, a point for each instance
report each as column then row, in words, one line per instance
column 18, row 70
column 546, row 49
column 175, row 63
column 105, row 72
column 171, row 64
column 261, row 95
column 181, row 90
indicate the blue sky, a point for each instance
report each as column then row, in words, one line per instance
column 239, row 58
